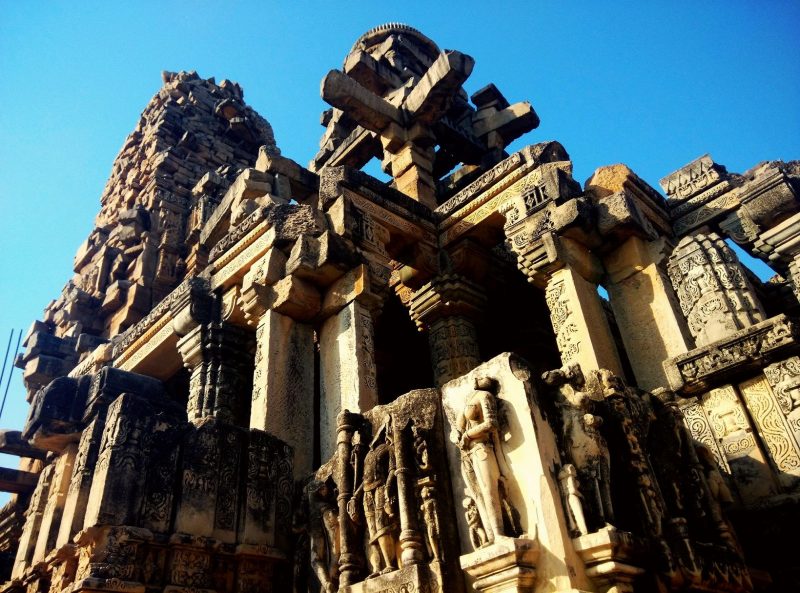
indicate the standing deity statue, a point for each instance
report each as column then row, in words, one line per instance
column 483, row 464
column 430, row 515
column 568, row 477
column 378, row 495
column 323, row 532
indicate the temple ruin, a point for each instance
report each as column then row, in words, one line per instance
column 265, row 377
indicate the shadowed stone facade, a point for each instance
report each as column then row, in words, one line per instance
column 268, row 377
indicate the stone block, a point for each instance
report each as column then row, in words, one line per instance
column 295, row 298
column 56, row 415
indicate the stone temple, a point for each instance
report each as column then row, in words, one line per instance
column 265, row 377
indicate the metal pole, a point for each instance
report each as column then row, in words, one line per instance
column 5, row 358
column 10, row 372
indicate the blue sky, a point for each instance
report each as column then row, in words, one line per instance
column 650, row 84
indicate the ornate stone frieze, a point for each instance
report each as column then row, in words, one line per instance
column 711, row 364
column 130, row 336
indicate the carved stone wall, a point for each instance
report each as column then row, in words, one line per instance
column 205, row 392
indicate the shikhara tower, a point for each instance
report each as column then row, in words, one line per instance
column 267, row 377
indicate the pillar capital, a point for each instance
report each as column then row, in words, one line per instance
column 446, row 296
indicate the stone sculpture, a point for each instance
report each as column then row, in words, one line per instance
column 240, row 328
column 323, row 535
column 377, row 495
column 483, row 463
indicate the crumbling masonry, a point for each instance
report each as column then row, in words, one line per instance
column 266, row 377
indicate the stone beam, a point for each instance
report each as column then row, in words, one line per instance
column 17, row 481
column 12, row 443
column 509, row 123
column 368, row 109
column 432, row 95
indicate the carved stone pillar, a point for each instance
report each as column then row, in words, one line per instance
column 715, row 296
column 48, row 529
column 410, row 537
column 119, row 476
column 349, row 561
column 784, row 378
column 579, row 322
column 217, row 356
column 33, row 521
column 347, row 368
column 645, row 309
column 283, row 379
column 446, row 306
column 81, row 482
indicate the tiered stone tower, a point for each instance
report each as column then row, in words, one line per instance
column 267, row 377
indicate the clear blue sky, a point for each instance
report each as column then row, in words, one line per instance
column 650, row 84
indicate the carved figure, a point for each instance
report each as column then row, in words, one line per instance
column 568, row 477
column 721, row 497
column 420, row 450
column 482, row 461
column 430, row 515
column 477, row 534
column 323, row 534
column 377, row 492
column 585, row 446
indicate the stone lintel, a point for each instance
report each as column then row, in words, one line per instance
column 768, row 197
column 509, row 123
column 17, row 481
column 780, row 243
column 644, row 207
column 320, row 260
column 333, row 180
column 370, row 73
column 12, row 443
column 714, row 364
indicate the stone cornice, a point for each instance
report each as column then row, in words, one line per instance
column 713, row 364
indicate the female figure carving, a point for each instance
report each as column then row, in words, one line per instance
column 482, row 461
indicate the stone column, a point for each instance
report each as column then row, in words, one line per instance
column 582, row 332
column 454, row 347
column 217, row 356
column 33, row 521
column 347, row 368
column 410, row 536
column 51, row 520
column 645, row 308
column 349, row 565
column 409, row 155
column 283, row 381
column 81, row 482
column 283, row 385
column 446, row 307
column 118, row 487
